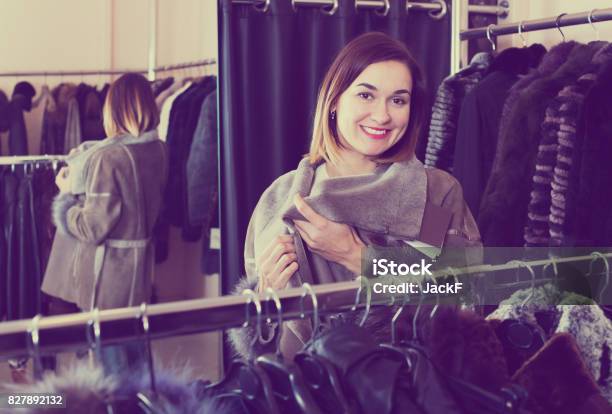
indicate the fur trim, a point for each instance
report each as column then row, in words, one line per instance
column 554, row 386
column 241, row 338
column 86, row 389
column 61, row 204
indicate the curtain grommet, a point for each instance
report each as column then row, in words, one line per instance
column 441, row 13
column 332, row 10
column 262, row 7
column 385, row 11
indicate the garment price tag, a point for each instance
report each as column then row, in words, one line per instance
column 215, row 238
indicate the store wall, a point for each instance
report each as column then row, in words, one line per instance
column 529, row 9
column 101, row 34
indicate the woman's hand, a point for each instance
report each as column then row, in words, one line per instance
column 277, row 263
column 336, row 242
column 62, row 181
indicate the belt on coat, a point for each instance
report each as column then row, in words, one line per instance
column 99, row 262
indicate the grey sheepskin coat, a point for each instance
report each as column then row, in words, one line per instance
column 103, row 238
column 400, row 202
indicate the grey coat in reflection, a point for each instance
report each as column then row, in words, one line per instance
column 104, row 235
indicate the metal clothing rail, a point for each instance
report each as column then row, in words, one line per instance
column 540, row 24
column 437, row 8
column 65, row 332
column 198, row 63
column 25, row 159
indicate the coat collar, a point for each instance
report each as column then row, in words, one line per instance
column 78, row 162
column 389, row 201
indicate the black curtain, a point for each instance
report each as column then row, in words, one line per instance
column 271, row 64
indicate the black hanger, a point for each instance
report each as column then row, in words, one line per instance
column 320, row 375
column 291, row 391
column 245, row 385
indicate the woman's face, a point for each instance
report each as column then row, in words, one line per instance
column 373, row 113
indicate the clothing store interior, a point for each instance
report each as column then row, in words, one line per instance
column 196, row 197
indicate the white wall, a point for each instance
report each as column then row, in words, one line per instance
column 78, row 35
column 530, row 9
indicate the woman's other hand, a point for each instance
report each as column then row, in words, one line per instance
column 62, row 181
column 277, row 263
column 334, row 241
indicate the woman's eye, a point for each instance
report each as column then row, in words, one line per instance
column 399, row 101
column 365, row 95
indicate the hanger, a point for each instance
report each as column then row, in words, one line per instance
column 363, row 281
column 290, row 389
column 596, row 256
column 520, row 33
column 319, row 374
column 95, row 346
column 152, row 404
column 245, row 384
column 489, row 36
column 590, row 19
column 34, row 346
column 558, row 23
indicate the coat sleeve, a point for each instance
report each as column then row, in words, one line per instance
column 92, row 221
column 293, row 333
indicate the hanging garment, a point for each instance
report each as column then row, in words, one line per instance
column 109, row 227
column 202, row 179
column 445, row 112
column 557, row 381
column 55, row 118
column 167, row 109
column 591, row 329
column 187, row 108
column 72, row 137
column 592, row 224
column 90, row 113
column 478, row 122
column 10, row 200
column 160, row 85
column 18, row 136
column 34, row 120
column 571, row 141
column 503, row 212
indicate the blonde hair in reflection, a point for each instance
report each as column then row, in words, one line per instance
column 130, row 107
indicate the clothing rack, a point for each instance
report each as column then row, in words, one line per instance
column 205, row 62
column 27, row 159
column 65, row 332
column 437, row 8
column 539, row 24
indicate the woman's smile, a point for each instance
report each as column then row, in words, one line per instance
column 375, row 133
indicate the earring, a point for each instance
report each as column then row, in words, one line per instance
column 333, row 115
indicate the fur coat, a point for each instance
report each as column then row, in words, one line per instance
column 86, row 390
column 445, row 112
column 592, row 224
column 503, row 211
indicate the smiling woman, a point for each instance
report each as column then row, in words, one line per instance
column 360, row 186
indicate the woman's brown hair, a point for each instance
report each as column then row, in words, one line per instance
column 358, row 54
column 130, row 107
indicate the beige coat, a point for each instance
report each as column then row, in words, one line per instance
column 104, row 236
column 400, row 202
